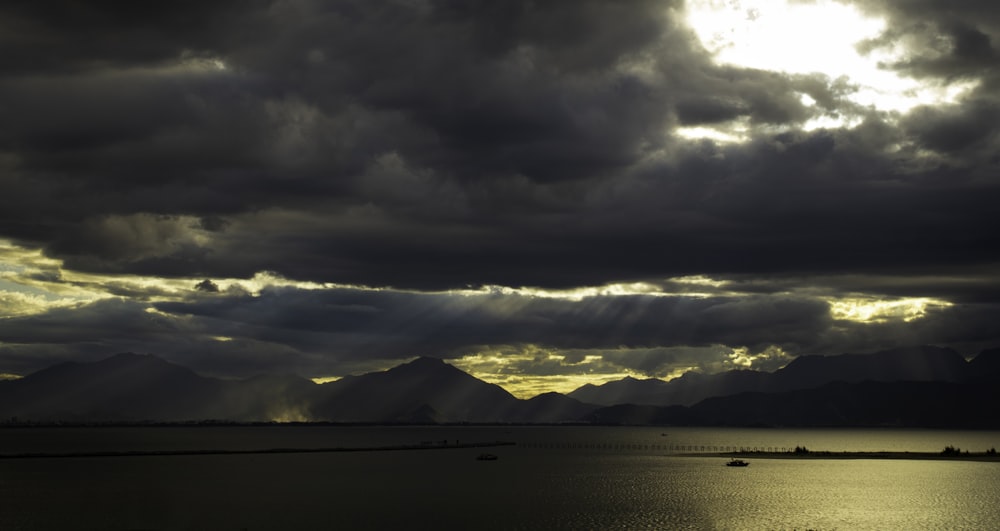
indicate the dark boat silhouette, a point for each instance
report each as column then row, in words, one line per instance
column 737, row 462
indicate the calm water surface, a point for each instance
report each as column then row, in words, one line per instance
column 556, row 478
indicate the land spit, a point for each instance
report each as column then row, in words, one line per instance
column 434, row 445
column 812, row 454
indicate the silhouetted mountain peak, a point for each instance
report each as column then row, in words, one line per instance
column 130, row 386
column 424, row 363
column 130, row 357
column 452, row 394
column 428, row 368
column 628, row 389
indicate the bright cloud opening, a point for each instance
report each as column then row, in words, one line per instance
column 806, row 38
column 871, row 310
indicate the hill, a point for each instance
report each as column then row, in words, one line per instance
column 922, row 387
column 920, row 364
column 140, row 388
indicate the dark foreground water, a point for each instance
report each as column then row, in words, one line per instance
column 555, row 478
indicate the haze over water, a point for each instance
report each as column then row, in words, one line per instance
column 555, row 478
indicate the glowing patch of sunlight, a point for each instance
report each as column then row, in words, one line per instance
column 807, row 37
column 18, row 303
column 29, row 271
column 9, row 376
column 31, row 283
column 574, row 294
column 608, row 290
column 873, row 310
column 830, row 122
column 269, row 279
column 192, row 62
column 700, row 280
column 733, row 134
column 325, row 379
column 526, row 386
column 743, row 358
column 289, row 415
column 17, row 258
column 785, row 36
column 529, row 371
column 678, row 372
column 222, row 339
column 153, row 311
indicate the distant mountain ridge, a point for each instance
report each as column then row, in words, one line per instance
column 899, row 404
column 136, row 388
column 920, row 387
column 920, row 364
column 133, row 387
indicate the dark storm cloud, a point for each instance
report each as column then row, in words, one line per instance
column 957, row 130
column 95, row 330
column 68, row 36
column 464, row 140
column 434, row 145
column 399, row 324
column 952, row 42
column 323, row 332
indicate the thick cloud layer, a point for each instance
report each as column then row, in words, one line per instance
column 434, row 145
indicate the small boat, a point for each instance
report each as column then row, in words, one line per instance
column 737, row 462
column 486, row 457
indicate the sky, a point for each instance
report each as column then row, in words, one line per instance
column 544, row 194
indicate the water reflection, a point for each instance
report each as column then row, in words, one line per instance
column 526, row 488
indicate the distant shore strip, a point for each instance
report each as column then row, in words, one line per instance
column 436, row 445
column 812, row 454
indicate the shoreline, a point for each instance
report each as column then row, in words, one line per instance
column 159, row 453
column 812, row 454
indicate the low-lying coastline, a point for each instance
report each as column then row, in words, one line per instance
column 925, row 456
column 434, row 445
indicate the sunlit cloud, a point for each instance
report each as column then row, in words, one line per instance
column 799, row 38
column 657, row 328
column 760, row 33
column 529, row 371
column 733, row 134
column 743, row 358
column 868, row 309
column 31, row 282
column 574, row 294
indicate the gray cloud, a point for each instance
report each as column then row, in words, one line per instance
column 435, row 145
column 319, row 332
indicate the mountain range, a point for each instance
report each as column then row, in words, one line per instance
column 918, row 387
column 919, row 364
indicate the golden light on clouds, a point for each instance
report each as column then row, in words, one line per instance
column 526, row 386
column 32, row 283
column 534, row 370
column 743, row 358
column 575, row 294
column 865, row 309
column 529, row 370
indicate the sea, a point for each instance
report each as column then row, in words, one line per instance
column 553, row 477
